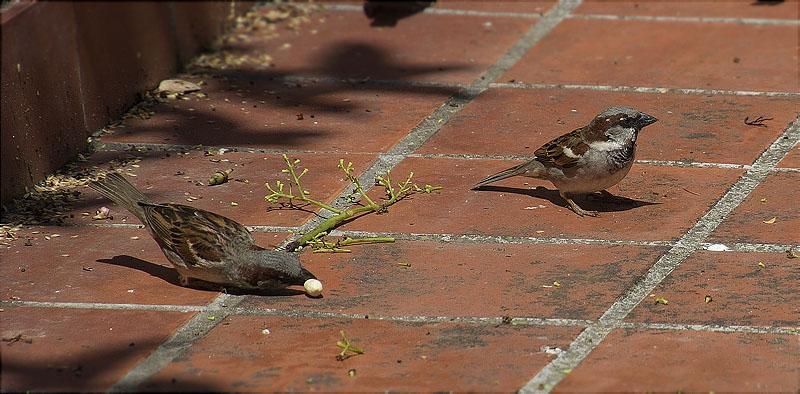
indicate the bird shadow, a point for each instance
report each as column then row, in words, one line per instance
column 170, row 275
column 592, row 202
column 166, row 274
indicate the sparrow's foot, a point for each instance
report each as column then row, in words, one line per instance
column 184, row 280
column 575, row 208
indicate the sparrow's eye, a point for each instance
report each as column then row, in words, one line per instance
column 627, row 121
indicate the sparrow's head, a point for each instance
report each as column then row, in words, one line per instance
column 621, row 123
column 273, row 270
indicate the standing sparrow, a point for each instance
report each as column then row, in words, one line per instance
column 589, row 159
column 206, row 246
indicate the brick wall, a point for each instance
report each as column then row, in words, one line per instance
column 69, row 68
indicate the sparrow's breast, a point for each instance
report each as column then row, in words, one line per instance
column 597, row 170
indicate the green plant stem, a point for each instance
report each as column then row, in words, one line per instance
column 313, row 237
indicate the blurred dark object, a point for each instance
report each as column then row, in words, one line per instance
column 387, row 13
column 766, row 2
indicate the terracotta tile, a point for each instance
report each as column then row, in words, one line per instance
column 656, row 55
column 687, row 361
column 258, row 113
column 41, row 93
column 694, row 128
column 77, row 349
column 708, row 8
column 471, row 280
column 89, row 264
column 746, row 222
column 299, row 355
column 146, row 55
column 157, row 176
column 342, row 44
column 792, row 160
column 658, row 203
column 519, row 6
column 742, row 293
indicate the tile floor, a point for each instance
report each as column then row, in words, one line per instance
column 453, row 94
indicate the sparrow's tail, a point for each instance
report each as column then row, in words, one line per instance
column 119, row 190
column 513, row 171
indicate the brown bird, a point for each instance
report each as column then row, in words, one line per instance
column 205, row 246
column 586, row 160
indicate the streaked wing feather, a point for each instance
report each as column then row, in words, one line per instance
column 199, row 237
column 554, row 152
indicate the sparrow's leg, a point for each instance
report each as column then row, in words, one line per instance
column 575, row 208
column 184, row 280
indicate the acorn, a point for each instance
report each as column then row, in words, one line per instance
column 219, row 177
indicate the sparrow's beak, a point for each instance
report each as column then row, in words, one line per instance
column 645, row 120
column 306, row 275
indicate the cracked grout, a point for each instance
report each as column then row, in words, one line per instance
column 589, row 339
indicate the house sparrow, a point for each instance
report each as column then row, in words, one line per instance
column 589, row 159
column 206, row 246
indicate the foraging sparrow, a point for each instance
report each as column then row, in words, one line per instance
column 589, row 159
column 206, row 246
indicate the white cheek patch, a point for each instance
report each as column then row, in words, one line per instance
column 568, row 152
column 605, row 145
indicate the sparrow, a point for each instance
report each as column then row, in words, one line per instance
column 205, row 246
column 388, row 12
column 586, row 160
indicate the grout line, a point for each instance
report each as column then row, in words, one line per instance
column 668, row 163
column 642, row 89
column 365, row 81
column 712, row 328
column 140, row 147
column 496, row 239
column 489, row 239
column 112, row 306
column 233, row 310
column 203, row 322
column 580, row 348
column 442, row 11
column 410, row 319
column 748, row 247
column 702, row 19
column 100, row 146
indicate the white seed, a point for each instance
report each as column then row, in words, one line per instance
column 313, row 287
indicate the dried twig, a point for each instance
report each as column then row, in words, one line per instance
column 759, row 121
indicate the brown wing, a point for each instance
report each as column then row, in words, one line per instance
column 563, row 151
column 199, row 237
